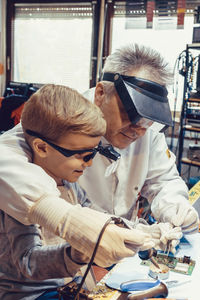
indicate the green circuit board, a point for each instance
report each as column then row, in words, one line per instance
column 183, row 265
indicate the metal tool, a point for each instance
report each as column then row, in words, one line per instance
column 148, row 254
column 175, row 283
column 168, row 247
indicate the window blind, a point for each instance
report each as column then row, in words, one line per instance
column 53, row 10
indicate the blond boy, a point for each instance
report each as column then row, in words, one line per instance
column 63, row 131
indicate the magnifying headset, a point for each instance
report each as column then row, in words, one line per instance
column 145, row 101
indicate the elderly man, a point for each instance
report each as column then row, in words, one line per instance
column 133, row 98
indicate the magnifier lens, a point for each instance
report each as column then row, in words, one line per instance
column 144, row 123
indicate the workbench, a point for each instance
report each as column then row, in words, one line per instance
column 189, row 290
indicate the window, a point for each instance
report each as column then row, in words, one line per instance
column 52, row 44
column 130, row 26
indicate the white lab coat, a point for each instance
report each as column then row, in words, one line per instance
column 146, row 167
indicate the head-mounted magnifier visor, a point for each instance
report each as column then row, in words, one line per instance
column 107, row 151
column 144, row 101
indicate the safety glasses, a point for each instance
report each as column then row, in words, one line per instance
column 107, row 151
column 67, row 152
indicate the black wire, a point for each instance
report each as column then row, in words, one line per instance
column 93, row 254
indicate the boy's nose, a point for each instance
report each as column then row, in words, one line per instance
column 87, row 163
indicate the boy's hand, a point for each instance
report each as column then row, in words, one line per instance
column 82, row 228
column 135, row 241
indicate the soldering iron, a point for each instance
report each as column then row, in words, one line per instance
column 149, row 254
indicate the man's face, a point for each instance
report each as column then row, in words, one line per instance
column 120, row 131
column 61, row 167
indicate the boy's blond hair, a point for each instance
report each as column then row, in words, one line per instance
column 55, row 110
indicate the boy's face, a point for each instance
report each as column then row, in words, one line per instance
column 59, row 166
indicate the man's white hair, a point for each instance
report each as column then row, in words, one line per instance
column 134, row 57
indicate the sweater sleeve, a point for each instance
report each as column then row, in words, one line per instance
column 31, row 258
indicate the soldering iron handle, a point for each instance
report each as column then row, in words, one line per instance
column 146, row 254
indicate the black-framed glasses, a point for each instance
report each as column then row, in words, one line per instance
column 67, row 152
column 107, row 151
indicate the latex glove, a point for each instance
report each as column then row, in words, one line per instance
column 170, row 236
column 82, row 228
column 184, row 216
column 162, row 234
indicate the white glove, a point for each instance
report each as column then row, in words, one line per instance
column 134, row 245
column 184, row 216
column 163, row 235
column 82, row 227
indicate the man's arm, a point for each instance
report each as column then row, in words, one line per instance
column 166, row 190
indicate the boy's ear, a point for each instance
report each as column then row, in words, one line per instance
column 40, row 147
column 99, row 95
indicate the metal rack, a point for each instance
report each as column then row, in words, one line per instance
column 187, row 101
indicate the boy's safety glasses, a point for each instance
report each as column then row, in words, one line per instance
column 107, row 151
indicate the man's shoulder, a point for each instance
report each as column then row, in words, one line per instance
column 14, row 141
column 16, row 132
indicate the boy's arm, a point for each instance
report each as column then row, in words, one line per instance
column 31, row 258
column 80, row 227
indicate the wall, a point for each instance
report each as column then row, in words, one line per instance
column 2, row 45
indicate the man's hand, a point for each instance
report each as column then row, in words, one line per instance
column 184, row 216
column 163, row 234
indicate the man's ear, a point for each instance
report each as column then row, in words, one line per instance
column 99, row 95
column 40, row 148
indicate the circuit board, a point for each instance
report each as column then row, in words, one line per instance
column 183, row 265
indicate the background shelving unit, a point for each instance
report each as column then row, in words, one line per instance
column 189, row 122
